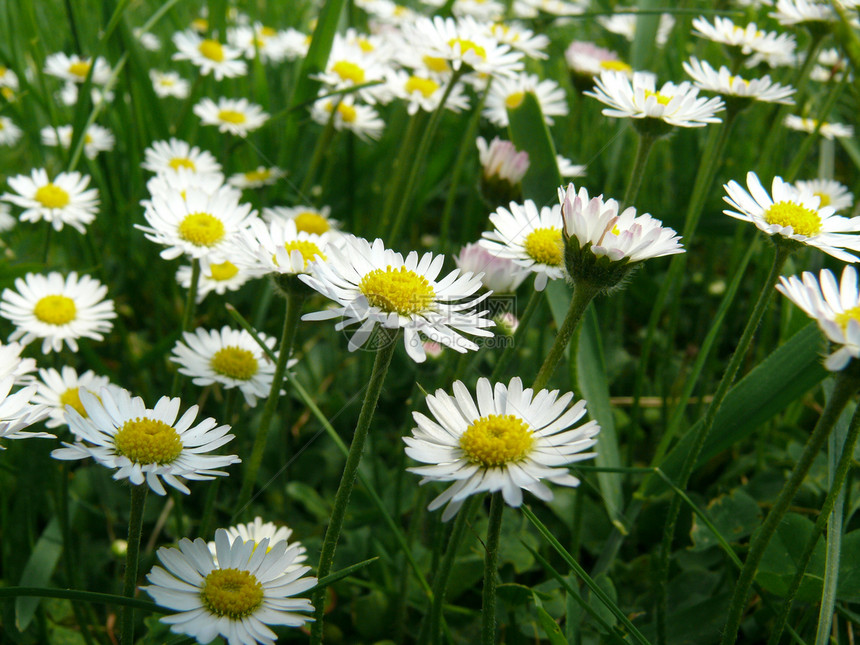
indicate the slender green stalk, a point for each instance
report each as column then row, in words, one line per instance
column 321, row 147
column 294, row 298
column 643, row 151
column 781, row 254
column 508, row 352
column 68, row 566
column 491, row 565
column 846, row 385
column 191, row 297
column 129, row 586
column 583, row 294
column 341, row 499
column 407, row 143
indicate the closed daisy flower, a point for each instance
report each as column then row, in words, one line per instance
column 232, row 116
column 96, row 139
column 511, row 441
column 308, row 219
column 257, row 531
column 18, row 413
column 146, row 444
column 531, row 238
column 75, row 69
column 212, row 57
column 794, row 215
column 9, row 132
column 57, row 309
column 251, row 586
column 57, row 389
column 60, row 201
column 219, row 277
column 509, row 93
column 499, row 275
column 376, row 286
column 734, row 87
column 230, row 357
column 174, row 155
column 829, row 192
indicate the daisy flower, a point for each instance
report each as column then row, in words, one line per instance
column 499, row 275
column 483, row 10
column 169, row 84
column 148, row 40
column 826, row 130
column 12, row 364
column 212, row 57
column 18, row 413
column 530, row 238
column 253, row 585
column 511, row 441
column 63, row 200
column 349, row 66
column 261, row 176
column 260, row 40
column 57, row 310
column 747, row 40
column 295, row 44
column 732, row 86
column 257, row 531
column 8, row 81
column 518, row 37
column 677, row 105
column 7, row 220
column 588, row 60
column 278, row 248
column 75, row 69
column 533, row 8
column 184, row 180
column 361, row 120
column 96, row 139
column 795, row 215
column 566, row 168
column 834, row 306
column 230, row 357
column 219, row 277
column 797, row 12
column 376, row 286
column 308, row 219
column 624, row 24
column 57, row 389
column 424, row 92
column 68, row 94
column 145, row 444
column 508, row 93
column 830, row 65
column 171, row 156
column 9, row 132
column 829, row 192
column 233, row 116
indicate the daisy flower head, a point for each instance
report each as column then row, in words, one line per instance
column 258, row 39
column 169, row 84
column 229, row 357
column 624, row 24
column 425, row 92
column 232, row 116
column 219, row 277
column 96, row 139
column 57, row 389
column 831, row 65
column 145, row 444
column 166, row 157
column 9, row 82
column 734, row 87
column 834, row 306
column 14, row 365
column 512, row 440
column 295, row 44
column 57, row 309
column 17, row 412
column 499, row 275
column 502, row 170
column 376, row 286
column 10, row 133
column 148, row 40
column 747, row 40
column 530, row 238
column 184, row 180
column 75, row 69
column 278, row 249
column 829, row 192
column 602, row 245
column 639, row 99
column 827, row 130
column 211, row 56
column 257, row 178
column 585, row 60
column 362, row 120
column 533, row 8
column 349, row 66
column 308, row 219
column 7, row 220
column 483, row 10
column 509, row 92
column 236, row 594
column 66, row 199
column 516, row 36
column 793, row 215
column 790, row 13
column 257, row 531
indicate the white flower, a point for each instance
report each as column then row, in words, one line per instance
column 18, row 413
column 518, row 37
column 835, row 307
column 530, row 238
column 68, row 94
column 677, row 105
column 96, row 139
column 724, row 82
column 63, row 200
column 261, row 176
column 8, row 81
column 795, row 12
column 829, row 192
column 171, row 156
column 376, row 286
column 212, row 57
column 501, row 159
column 251, row 586
column 566, row 168
column 508, row 93
column 219, row 277
column 230, row 357
column 831, row 66
column 146, row 444
column 233, row 116
column 75, row 69
column 307, row 218
column 258, row 39
column 511, row 441
column 624, row 24
column 9, row 132
column 794, row 214
column 169, row 84
column 184, row 180
column 295, row 44
column 278, row 247
column 257, row 531
column 749, row 39
column 587, row 59
column 361, row 120
column 483, row 10
column 56, row 390
column 499, row 275
column 826, row 130
column 349, row 66
column 7, row 220
column 533, row 8
column 12, row 364
column 149, row 41
column 57, row 310
column 424, row 92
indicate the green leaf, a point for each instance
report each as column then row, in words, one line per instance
column 779, row 563
column 38, row 570
column 515, row 594
column 308, row 497
column 735, row 516
column 645, row 39
column 528, row 132
column 849, row 568
column 315, row 61
column 549, row 626
column 608, row 588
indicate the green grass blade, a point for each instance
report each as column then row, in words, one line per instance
column 38, row 570
column 315, row 62
column 528, row 132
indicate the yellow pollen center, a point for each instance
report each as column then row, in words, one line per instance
column 231, row 116
column 347, row 113
column 181, row 162
column 468, row 46
column 72, row 397
column 616, row 231
column 426, row 86
column 544, row 246
column 267, row 32
column 308, row 249
column 88, row 138
column 311, row 223
column 258, row 175
column 515, row 100
column 233, row 593
column 55, row 310
column 435, row 64
column 348, row 71
column 52, row 196
column 662, row 99
column 223, row 271
column 803, row 220
column 212, row 50
column 201, row 229
column 235, row 363
column 148, row 441
column 365, row 45
column 397, row 290
column 615, row 65
column 496, row 440
column 848, row 315
column 80, row 69
column 824, row 199
column 7, row 93
column 200, row 24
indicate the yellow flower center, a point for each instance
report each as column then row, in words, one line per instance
column 235, row 363
column 824, row 199
column 544, row 246
column 435, row 64
column 231, row 116
column 55, row 310
column 80, row 69
column 201, row 229
column 258, row 175
column 496, row 440
column 148, row 441
column 311, row 223
column 615, row 65
column 426, row 86
column 52, row 196
column 223, row 271
column 181, row 162
column 166, row 81
column 348, row 71
column 347, row 113
column 267, row 32
column 851, row 314
column 7, row 93
column 468, row 46
column 308, row 249
column 365, row 45
column 212, row 50
column 804, row 221
column 72, row 397
column 200, row 24
column 233, row 593
column 515, row 100
column 662, row 99
column 397, row 290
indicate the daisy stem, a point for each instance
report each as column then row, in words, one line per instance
column 49, row 232
column 294, row 298
column 583, row 294
column 847, row 384
column 491, row 564
column 407, row 142
column 508, row 352
column 803, row 151
column 388, row 338
column 322, row 146
column 420, row 154
column 643, row 151
column 781, row 254
column 188, row 314
column 135, row 529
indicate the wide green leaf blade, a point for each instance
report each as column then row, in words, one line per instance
column 528, row 132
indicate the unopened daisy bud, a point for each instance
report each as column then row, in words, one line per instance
column 119, row 548
column 503, row 168
column 433, row 349
column 500, row 275
column 506, row 324
column 601, row 245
